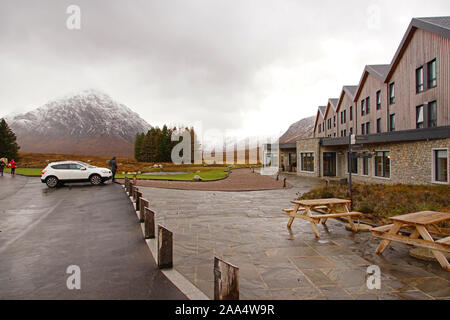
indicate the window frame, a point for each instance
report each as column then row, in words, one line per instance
column 383, row 164
column 391, row 116
column 429, row 119
column 433, row 166
column 368, row 105
column 392, row 90
column 432, row 82
column 378, row 97
column 420, row 87
column 423, row 117
column 379, row 125
column 302, row 158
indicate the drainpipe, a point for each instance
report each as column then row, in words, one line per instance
column 318, row 163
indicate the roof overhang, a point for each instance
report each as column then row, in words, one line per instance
column 394, row 136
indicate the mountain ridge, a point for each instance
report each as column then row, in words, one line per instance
column 89, row 122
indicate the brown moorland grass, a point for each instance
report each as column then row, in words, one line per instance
column 378, row 202
column 40, row 160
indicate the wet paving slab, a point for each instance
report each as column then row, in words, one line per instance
column 46, row 230
column 248, row 229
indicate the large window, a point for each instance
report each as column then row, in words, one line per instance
column 334, row 121
column 363, row 128
column 432, row 114
column 440, row 163
column 419, row 80
column 353, row 165
column 383, row 164
column 392, row 93
column 363, row 108
column 392, row 122
column 351, row 113
column 378, row 125
column 367, row 127
column 367, row 105
column 307, row 163
column 419, row 117
column 378, row 99
column 432, row 78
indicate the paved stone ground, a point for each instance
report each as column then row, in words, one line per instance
column 249, row 230
column 43, row 231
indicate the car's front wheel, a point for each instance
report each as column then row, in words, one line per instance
column 95, row 180
column 52, row 182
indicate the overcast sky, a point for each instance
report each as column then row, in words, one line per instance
column 247, row 66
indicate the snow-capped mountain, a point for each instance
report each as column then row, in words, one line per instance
column 299, row 130
column 89, row 122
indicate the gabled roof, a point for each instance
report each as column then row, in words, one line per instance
column 331, row 103
column 437, row 25
column 350, row 91
column 321, row 110
column 379, row 71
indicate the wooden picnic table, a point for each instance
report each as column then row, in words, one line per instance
column 422, row 223
column 333, row 207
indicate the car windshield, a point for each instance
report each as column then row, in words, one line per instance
column 86, row 165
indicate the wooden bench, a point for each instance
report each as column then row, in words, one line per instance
column 421, row 223
column 382, row 229
column 290, row 210
column 444, row 241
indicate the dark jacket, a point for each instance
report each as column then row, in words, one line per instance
column 113, row 164
column 2, row 165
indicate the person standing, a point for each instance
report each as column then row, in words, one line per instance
column 12, row 165
column 2, row 166
column 113, row 165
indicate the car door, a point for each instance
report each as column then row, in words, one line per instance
column 61, row 171
column 77, row 172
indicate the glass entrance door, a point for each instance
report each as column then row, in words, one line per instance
column 329, row 164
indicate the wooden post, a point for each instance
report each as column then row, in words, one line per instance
column 138, row 200
column 130, row 188
column 165, row 248
column 142, row 205
column 284, row 182
column 126, row 184
column 149, row 223
column 134, row 192
column 278, row 177
column 226, row 280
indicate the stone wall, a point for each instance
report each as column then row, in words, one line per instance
column 410, row 162
column 308, row 145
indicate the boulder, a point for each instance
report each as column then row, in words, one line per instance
column 197, row 178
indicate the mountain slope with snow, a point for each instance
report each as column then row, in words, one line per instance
column 299, row 130
column 89, row 123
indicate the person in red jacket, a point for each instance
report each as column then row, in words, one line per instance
column 12, row 164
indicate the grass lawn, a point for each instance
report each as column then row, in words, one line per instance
column 210, row 175
column 34, row 172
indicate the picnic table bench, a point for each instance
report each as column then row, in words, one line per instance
column 333, row 208
column 422, row 224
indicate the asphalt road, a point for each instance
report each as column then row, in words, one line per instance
column 44, row 231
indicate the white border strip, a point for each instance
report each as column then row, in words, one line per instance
column 183, row 284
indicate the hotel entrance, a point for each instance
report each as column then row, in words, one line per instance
column 329, row 164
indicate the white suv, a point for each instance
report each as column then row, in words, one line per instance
column 57, row 173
